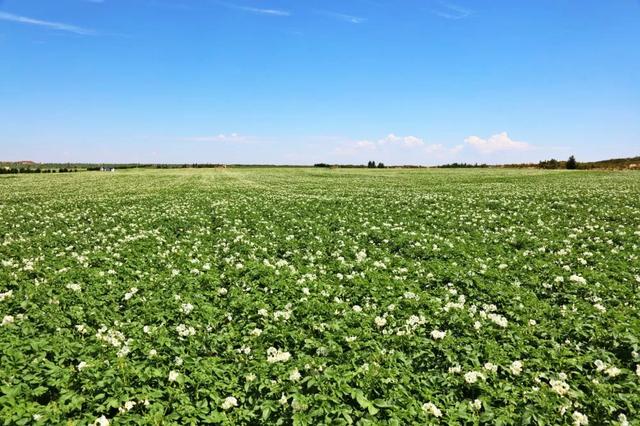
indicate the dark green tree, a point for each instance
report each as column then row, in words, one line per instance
column 572, row 164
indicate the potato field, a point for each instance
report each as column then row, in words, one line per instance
column 245, row 296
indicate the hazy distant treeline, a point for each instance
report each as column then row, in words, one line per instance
column 19, row 170
column 552, row 164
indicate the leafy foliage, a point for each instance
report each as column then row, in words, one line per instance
column 320, row 296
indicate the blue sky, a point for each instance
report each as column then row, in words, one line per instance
column 284, row 81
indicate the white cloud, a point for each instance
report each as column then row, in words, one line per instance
column 386, row 143
column 452, row 11
column 257, row 10
column 434, row 149
column 456, row 149
column 342, row 17
column 496, row 143
column 394, row 149
column 4, row 16
column 440, row 151
column 406, row 141
column 273, row 12
column 365, row 145
column 355, row 147
column 228, row 138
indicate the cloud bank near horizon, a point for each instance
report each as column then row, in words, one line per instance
column 232, row 147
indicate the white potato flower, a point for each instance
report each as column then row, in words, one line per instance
column 455, row 369
column 6, row 295
column 579, row 419
column 516, row 368
column 185, row 331
column 128, row 406
column 430, row 408
column 559, row 387
column 473, row 376
column 498, row 319
column 476, row 404
column 283, row 400
column 295, row 375
column 438, row 335
column 622, row 419
column 490, row 367
column 131, row 293
column 101, row 421
column 577, row 279
column 187, row 308
column 600, row 307
column 277, row 355
column 229, row 402
column 612, row 371
column 380, row 321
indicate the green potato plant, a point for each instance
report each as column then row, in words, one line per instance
column 320, row 296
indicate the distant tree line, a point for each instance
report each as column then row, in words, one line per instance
column 614, row 163
column 632, row 163
column 372, row 165
column 23, row 170
column 553, row 164
column 462, row 166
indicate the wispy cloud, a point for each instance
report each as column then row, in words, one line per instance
column 495, row 143
column 405, row 141
column 256, row 10
column 4, row 16
column 222, row 138
column 342, row 17
column 273, row 12
column 351, row 148
column 452, row 11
